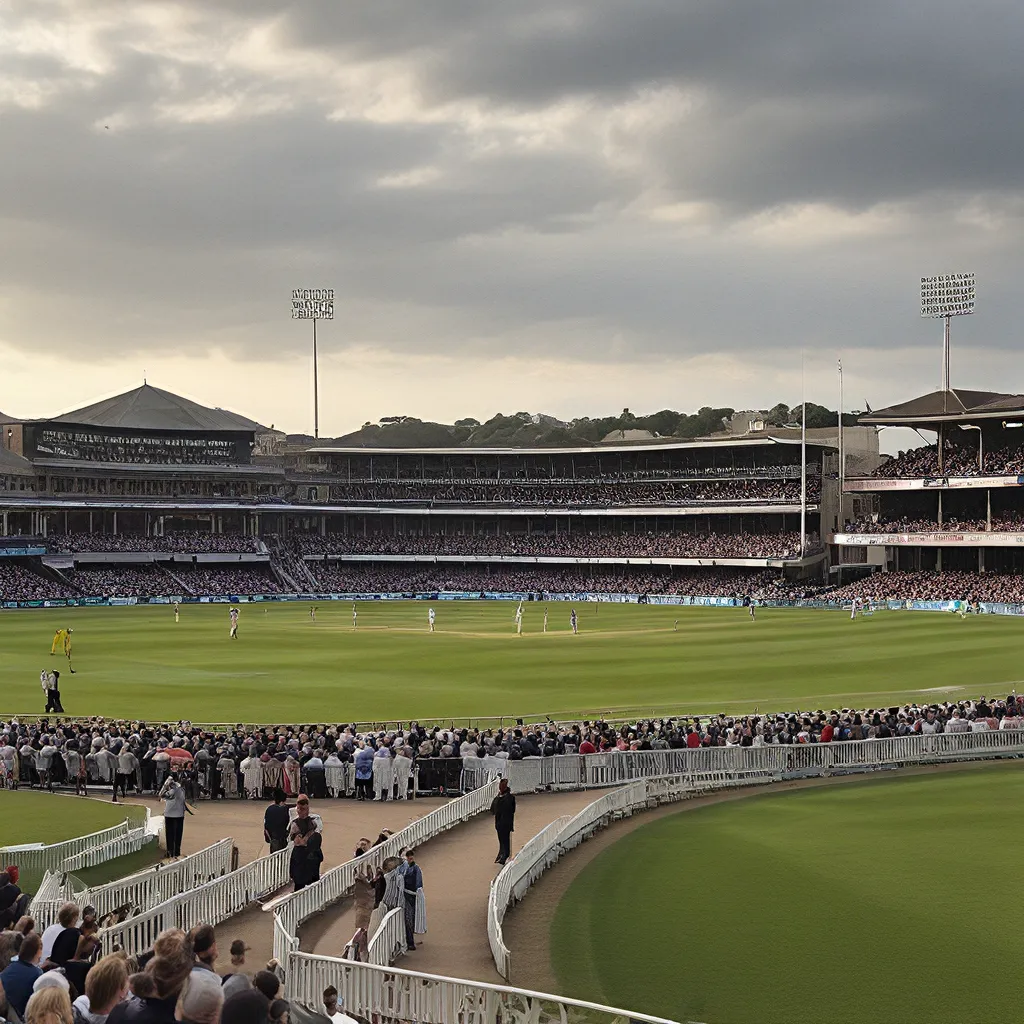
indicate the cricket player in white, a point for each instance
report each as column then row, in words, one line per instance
column 233, row 632
column 177, row 611
column 573, row 621
column 545, row 618
column 355, row 616
column 519, row 619
column 430, row 619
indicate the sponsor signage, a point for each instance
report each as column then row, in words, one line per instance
column 951, row 483
column 931, row 540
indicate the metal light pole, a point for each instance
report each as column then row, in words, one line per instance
column 842, row 452
column 945, row 296
column 803, row 459
column 981, row 451
column 313, row 304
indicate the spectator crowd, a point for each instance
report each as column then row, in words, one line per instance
column 583, row 493
column 577, row 544
column 1003, row 522
column 957, row 460
column 179, row 542
column 927, row 585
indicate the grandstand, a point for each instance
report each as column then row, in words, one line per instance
column 953, row 509
column 150, row 496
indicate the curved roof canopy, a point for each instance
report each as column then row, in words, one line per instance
column 150, row 408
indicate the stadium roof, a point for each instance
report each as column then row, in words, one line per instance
column 727, row 441
column 10, row 462
column 948, row 406
column 150, row 408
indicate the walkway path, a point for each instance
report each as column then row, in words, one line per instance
column 458, row 867
column 345, row 822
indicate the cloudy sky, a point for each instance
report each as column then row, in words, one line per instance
column 562, row 205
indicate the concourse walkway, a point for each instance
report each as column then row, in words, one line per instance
column 458, row 867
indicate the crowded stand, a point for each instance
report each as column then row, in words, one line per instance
column 186, row 541
column 20, row 584
column 927, row 585
column 960, row 461
column 362, row 578
column 1004, row 522
column 122, row 581
column 577, row 544
column 569, row 493
column 211, row 581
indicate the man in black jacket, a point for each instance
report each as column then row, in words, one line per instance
column 503, row 807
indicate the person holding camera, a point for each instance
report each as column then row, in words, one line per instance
column 175, row 806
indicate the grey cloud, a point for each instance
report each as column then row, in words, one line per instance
column 164, row 234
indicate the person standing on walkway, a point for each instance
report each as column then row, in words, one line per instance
column 307, row 854
column 175, row 807
column 503, row 807
column 415, row 909
column 275, row 823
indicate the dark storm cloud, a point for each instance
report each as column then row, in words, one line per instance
column 511, row 196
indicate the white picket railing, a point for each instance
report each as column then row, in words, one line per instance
column 131, row 842
column 37, row 860
column 338, row 882
column 391, row 994
column 581, row 771
column 210, row 903
column 548, row 845
column 388, row 942
column 52, row 892
column 145, row 889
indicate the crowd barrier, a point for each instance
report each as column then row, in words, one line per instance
column 586, row 771
column 131, row 842
column 389, row 994
column 35, row 860
column 209, row 903
column 545, row 848
column 146, row 889
column 388, row 942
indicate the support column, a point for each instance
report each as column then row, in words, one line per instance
column 981, row 560
column 115, row 522
column 6, row 534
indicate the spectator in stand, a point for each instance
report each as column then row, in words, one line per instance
column 106, row 985
column 249, row 1007
column 200, row 1000
column 20, row 975
column 49, row 1005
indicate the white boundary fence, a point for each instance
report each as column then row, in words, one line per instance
column 389, row 994
column 545, row 848
column 145, row 889
column 210, row 903
column 131, row 842
column 582, row 771
column 37, row 860
column 388, row 942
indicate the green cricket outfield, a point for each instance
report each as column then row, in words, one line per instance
column 863, row 903
column 136, row 662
